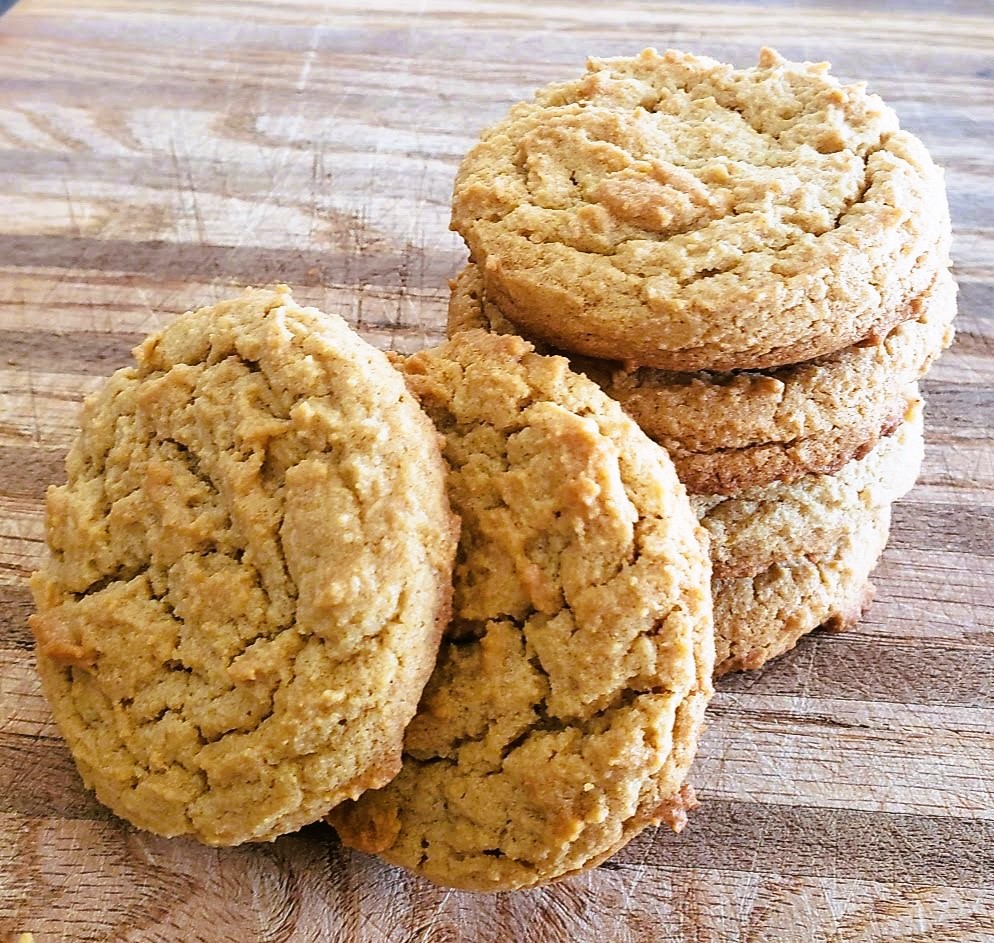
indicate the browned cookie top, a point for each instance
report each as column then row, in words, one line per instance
column 672, row 211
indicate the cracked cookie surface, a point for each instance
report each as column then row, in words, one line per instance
column 565, row 707
column 730, row 431
column 249, row 573
column 675, row 212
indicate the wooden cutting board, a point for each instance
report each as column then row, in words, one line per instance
column 156, row 155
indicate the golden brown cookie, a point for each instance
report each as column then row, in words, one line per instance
column 759, row 526
column 730, row 431
column 759, row 617
column 565, row 708
column 250, row 572
column 675, row 212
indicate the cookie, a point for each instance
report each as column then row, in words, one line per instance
column 567, row 701
column 759, row 617
column 735, row 430
column 250, row 572
column 673, row 212
column 781, row 521
column 730, row 431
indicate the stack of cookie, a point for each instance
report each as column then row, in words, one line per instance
column 754, row 263
column 461, row 603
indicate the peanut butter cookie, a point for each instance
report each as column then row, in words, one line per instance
column 565, row 708
column 674, row 212
column 250, row 572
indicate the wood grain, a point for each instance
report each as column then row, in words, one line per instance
column 155, row 155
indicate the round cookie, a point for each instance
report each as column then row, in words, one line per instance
column 730, row 431
column 759, row 526
column 569, row 693
column 250, row 572
column 759, row 617
column 674, row 212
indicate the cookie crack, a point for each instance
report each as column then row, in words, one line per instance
column 578, row 199
column 190, row 460
column 123, row 574
column 545, row 721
